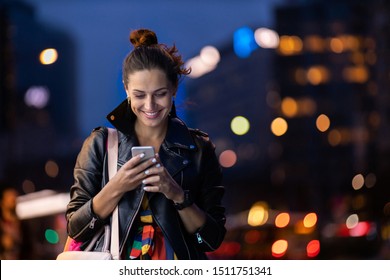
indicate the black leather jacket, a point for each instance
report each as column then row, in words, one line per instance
column 189, row 157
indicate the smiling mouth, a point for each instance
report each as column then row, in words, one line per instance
column 152, row 115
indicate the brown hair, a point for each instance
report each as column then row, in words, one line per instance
column 149, row 54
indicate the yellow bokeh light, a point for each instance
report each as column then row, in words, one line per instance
column 240, row 125
column 351, row 42
column 279, row 126
column 310, row 220
column 337, row 45
column 317, row 75
column 356, row 74
column 279, row 248
column 290, row 45
column 289, row 107
column 282, row 220
column 48, row 56
column 258, row 214
column 323, row 123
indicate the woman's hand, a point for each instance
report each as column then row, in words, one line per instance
column 132, row 173
column 159, row 180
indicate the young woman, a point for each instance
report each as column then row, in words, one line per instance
column 169, row 205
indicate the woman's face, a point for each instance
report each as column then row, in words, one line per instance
column 150, row 96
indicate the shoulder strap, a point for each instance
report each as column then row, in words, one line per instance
column 112, row 150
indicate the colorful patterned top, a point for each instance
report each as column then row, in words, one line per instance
column 149, row 242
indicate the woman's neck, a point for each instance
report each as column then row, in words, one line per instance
column 150, row 136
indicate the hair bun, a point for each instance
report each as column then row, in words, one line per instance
column 143, row 37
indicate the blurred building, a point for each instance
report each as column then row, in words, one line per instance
column 38, row 117
column 318, row 108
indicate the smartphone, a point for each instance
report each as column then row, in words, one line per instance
column 147, row 150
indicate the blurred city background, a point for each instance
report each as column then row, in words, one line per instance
column 295, row 95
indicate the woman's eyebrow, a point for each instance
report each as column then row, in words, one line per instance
column 141, row 91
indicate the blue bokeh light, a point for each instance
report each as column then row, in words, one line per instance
column 244, row 42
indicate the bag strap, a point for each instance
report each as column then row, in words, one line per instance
column 112, row 150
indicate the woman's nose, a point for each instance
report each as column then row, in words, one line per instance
column 149, row 103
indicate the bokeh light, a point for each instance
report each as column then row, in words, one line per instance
column 28, row 186
column 240, row 125
column 290, row 45
column 323, row 122
column 258, row 214
column 48, row 56
column 356, row 74
column 37, row 96
column 313, row 248
column 310, row 220
column 210, row 55
column 352, row 221
column 51, row 236
column 279, row 126
column 203, row 63
column 282, row 220
column 51, row 168
column 266, row 38
column 357, row 182
column 228, row 158
column 289, row 107
column 244, row 42
column 334, row 137
column 279, row 248
column 336, row 45
column 361, row 229
column 318, row 75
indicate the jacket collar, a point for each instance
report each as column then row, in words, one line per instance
column 178, row 134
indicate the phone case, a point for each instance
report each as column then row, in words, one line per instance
column 147, row 150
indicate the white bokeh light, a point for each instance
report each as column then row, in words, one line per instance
column 266, row 38
column 37, row 96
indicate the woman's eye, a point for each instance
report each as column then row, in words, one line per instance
column 161, row 94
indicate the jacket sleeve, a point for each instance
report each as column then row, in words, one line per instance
column 210, row 236
column 82, row 223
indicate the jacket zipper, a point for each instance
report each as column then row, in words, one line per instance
column 90, row 225
column 201, row 240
